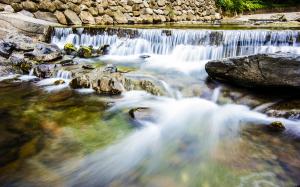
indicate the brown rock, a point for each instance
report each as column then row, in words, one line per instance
column 17, row 6
column 30, row 6
column 86, row 17
column 47, row 5
column 72, row 17
column 48, row 16
column 61, row 17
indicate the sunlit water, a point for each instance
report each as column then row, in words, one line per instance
column 56, row 136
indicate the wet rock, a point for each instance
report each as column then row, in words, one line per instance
column 103, row 50
column 276, row 126
column 58, row 82
column 67, row 60
column 45, row 53
column 110, row 68
column 262, row 70
column 88, row 66
column 85, row 52
column 144, row 84
column 44, row 70
column 6, row 48
column 102, row 82
column 142, row 113
column 70, row 49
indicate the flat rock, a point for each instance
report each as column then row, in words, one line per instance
column 262, row 70
column 48, row 16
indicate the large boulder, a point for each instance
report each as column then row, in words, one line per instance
column 261, row 70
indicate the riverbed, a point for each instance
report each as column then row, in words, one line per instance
column 193, row 135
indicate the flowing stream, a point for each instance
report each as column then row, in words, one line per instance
column 192, row 136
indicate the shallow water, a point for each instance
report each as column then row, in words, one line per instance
column 54, row 136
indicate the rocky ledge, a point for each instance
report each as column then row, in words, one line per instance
column 22, row 55
column 261, row 70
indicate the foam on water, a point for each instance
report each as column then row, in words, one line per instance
column 175, row 120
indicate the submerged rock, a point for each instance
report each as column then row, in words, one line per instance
column 262, row 70
column 141, row 113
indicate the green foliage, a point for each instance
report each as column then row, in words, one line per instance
column 238, row 6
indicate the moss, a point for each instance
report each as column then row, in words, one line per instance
column 70, row 48
column 125, row 69
column 276, row 126
column 85, row 52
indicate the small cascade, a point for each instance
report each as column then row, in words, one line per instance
column 186, row 45
column 31, row 72
column 216, row 94
column 62, row 74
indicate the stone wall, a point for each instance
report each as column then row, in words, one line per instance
column 77, row 12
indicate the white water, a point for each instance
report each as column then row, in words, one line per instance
column 209, row 122
column 183, row 50
column 49, row 83
column 188, row 45
column 175, row 116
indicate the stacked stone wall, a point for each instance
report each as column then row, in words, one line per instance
column 101, row 12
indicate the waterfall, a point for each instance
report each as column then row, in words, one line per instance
column 187, row 45
column 64, row 74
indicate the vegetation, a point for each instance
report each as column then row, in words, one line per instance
column 238, row 6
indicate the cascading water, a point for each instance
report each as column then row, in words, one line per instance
column 192, row 129
column 187, row 45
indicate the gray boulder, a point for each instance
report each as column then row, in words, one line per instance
column 262, row 70
column 45, row 53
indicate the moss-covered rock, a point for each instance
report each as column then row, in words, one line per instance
column 85, row 52
column 276, row 126
column 58, row 82
column 70, row 48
